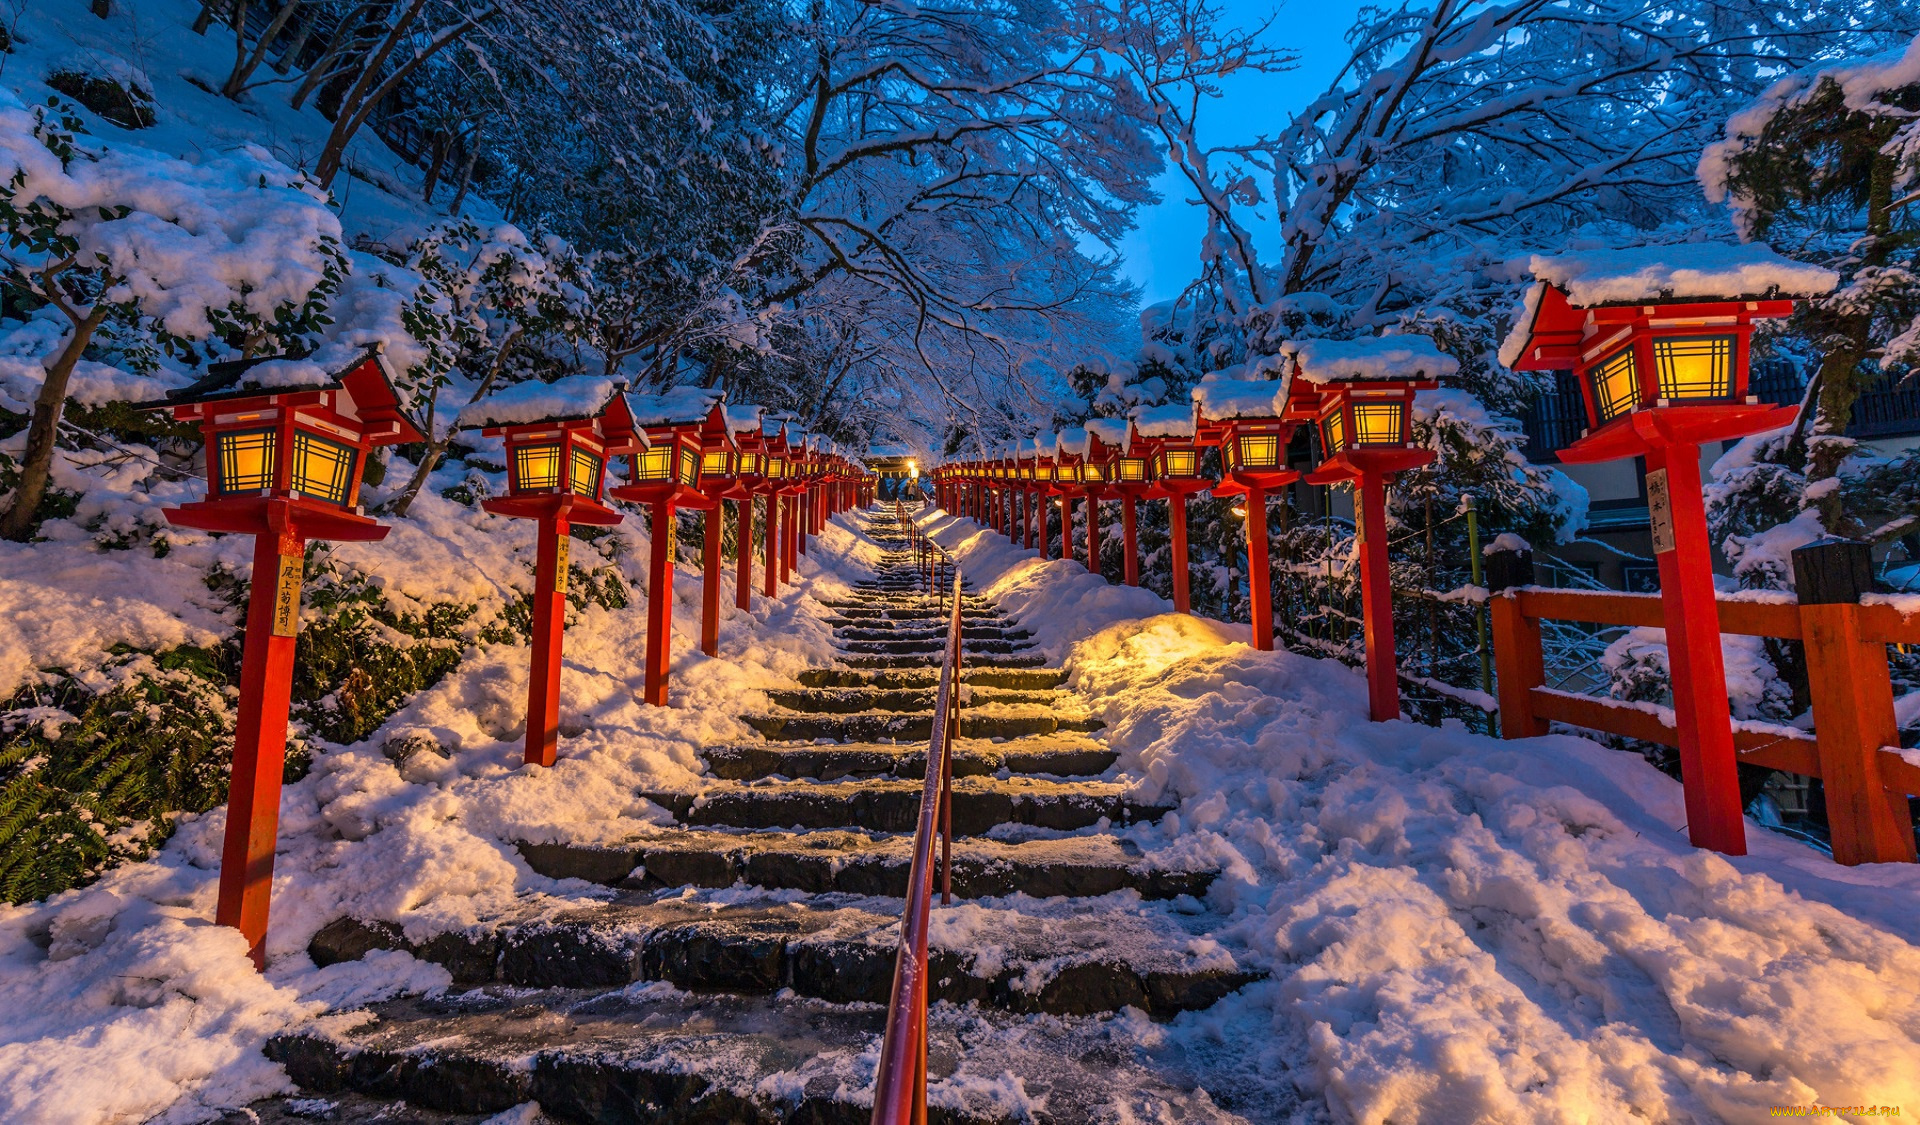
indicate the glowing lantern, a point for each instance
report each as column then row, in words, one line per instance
column 1166, row 435
column 1243, row 417
column 287, row 442
column 1658, row 339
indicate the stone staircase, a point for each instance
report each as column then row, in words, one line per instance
column 738, row 972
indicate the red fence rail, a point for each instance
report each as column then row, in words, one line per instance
column 900, row 1085
column 1854, row 746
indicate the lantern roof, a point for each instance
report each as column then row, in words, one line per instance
column 1073, row 441
column 1113, row 432
column 1046, row 444
column 369, row 397
column 678, row 406
column 1221, row 400
column 1368, row 359
column 743, row 418
column 1174, row 420
column 534, row 402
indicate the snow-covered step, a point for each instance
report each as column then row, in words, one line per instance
column 931, row 631
column 1028, row 659
column 987, row 720
column 857, row 863
column 1064, row 754
column 980, row 804
column 846, row 700
column 1023, row 679
column 1074, row 960
column 657, row 1054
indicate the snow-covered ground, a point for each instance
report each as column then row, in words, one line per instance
column 1464, row 929
column 126, row 1002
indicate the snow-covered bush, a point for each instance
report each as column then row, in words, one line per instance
column 110, row 88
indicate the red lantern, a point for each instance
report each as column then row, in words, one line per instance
column 1165, row 436
column 1361, row 393
column 287, row 442
column 663, row 472
column 1243, row 417
column 1659, row 339
column 743, row 431
column 556, row 470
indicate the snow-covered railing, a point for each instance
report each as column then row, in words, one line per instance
column 1853, row 746
column 900, row 1083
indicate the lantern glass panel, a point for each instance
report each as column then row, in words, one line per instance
column 247, row 460
column 749, row 464
column 714, row 463
column 323, row 467
column 1133, row 470
column 1333, row 432
column 536, row 468
column 585, row 475
column 1179, row 462
column 1257, row 451
column 1092, row 473
column 1376, row 423
column 654, row 463
column 1694, row 366
column 1615, row 382
column 689, row 463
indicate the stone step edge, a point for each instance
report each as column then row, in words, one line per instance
column 700, row 956
column 751, row 761
column 842, row 805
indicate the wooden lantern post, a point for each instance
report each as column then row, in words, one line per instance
column 720, row 462
column 1361, row 394
column 556, row 471
column 1663, row 373
column 773, row 470
column 664, row 474
column 1133, row 480
column 1029, row 456
column 1066, row 487
column 284, row 461
column 743, row 426
column 1243, row 417
column 1168, row 439
column 1105, row 439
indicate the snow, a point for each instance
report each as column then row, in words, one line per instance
column 1466, row 929
column 1222, row 399
column 1369, row 357
column 1073, row 441
column 575, row 396
column 1715, row 270
column 1507, row 541
column 1174, row 420
column 676, row 407
column 743, row 418
column 1113, row 431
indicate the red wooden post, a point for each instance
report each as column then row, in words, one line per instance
column 772, row 561
column 803, row 526
column 260, row 738
column 1519, row 665
column 1093, row 535
column 791, row 527
column 1259, row 571
column 659, row 603
column 549, row 625
column 1040, row 507
column 1066, row 527
column 743, row 552
column 1130, row 535
column 1177, row 517
column 1696, row 666
column 1376, row 598
column 710, row 523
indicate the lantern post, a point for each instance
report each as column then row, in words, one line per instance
column 743, row 426
column 1659, row 340
column 663, row 472
column 1133, row 480
column 1029, row 460
column 1360, row 392
column 773, row 471
column 1066, row 486
column 285, row 455
column 556, row 471
column 1098, row 469
column 1243, row 417
column 1174, row 459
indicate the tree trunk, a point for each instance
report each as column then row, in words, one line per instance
column 291, row 55
column 438, row 157
column 344, row 38
column 245, row 61
column 204, row 20
column 37, row 466
column 466, row 174
column 436, row 447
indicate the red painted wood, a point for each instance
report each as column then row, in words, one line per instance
column 1130, row 535
column 743, row 552
column 659, row 603
column 259, row 753
column 1376, row 599
column 771, row 561
column 1519, row 663
column 1177, row 517
column 1093, row 535
column 710, row 525
column 549, row 642
column 1853, row 718
column 1711, row 784
column 1066, row 527
column 1259, row 570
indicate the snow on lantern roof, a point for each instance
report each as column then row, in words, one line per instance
column 1046, row 445
column 1113, row 431
column 680, row 406
column 576, row 396
column 243, row 377
column 1174, row 420
column 1222, row 399
column 1369, row 358
column 1713, row 270
column 1073, row 441
column 743, row 418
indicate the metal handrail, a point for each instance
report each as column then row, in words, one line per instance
column 900, row 1084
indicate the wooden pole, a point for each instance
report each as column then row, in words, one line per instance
column 260, row 738
column 743, row 552
column 659, row 603
column 1066, row 527
column 1259, row 570
column 1130, row 538
column 1376, row 598
column 711, row 522
column 772, row 561
column 549, row 627
column 1093, row 534
column 1704, row 723
column 1177, row 519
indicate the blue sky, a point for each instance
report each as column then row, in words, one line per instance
column 1163, row 254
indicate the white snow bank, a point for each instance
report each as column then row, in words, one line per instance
column 1716, row 270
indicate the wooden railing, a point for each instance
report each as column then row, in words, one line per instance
column 1853, row 746
column 900, row 1085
